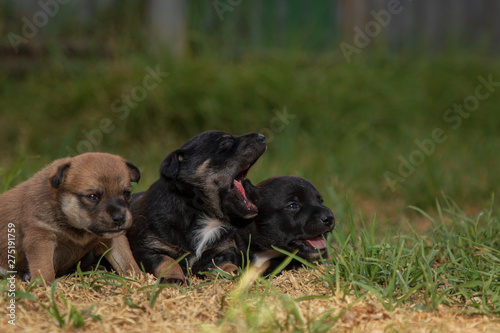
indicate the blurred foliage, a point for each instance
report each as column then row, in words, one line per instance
column 348, row 123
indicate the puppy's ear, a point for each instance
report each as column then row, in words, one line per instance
column 170, row 166
column 135, row 174
column 58, row 177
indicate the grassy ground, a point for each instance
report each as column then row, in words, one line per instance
column 446, row 281
column 346, row 127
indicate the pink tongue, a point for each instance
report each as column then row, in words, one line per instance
column 240, row 188
column 317, row 242
column 247, row 202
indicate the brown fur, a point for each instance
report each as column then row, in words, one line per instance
column 169, row 271
column 56, row 222
column 229, row 268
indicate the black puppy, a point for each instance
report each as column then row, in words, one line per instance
column 291, row 217
column 190, row 208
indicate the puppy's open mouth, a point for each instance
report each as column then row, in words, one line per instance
column 312, row 245
column 240, row 191
column 316, row 242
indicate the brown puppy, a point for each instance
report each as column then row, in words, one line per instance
column 70, row 207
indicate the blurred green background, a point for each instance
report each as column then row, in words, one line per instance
column 138, row 78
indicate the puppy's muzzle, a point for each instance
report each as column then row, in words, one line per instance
column 328, row 219
column 118, row 214
column 258, row 143
column 118, row 219
column 261, row 139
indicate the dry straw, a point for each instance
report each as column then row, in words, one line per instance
column 289, row 302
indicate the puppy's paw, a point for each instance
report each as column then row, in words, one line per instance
column 228, row 267
column 173, row 276
column 172, row 280
column 170, row 272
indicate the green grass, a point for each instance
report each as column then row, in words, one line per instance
column 456, row 266
column 72, row 317
column 349, row 123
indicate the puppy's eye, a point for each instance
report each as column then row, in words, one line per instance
column 225, row 145
column 94, row 197
column 292, row 206
column 126, row 195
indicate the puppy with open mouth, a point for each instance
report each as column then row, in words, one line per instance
column 190, row 208
column 69, row 208
column 291, row 217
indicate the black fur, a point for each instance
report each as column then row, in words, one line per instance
column 196, row 185
column 291, row 211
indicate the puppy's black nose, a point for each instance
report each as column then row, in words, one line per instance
column 118, row 219
column 328, row 219
column 261, row 139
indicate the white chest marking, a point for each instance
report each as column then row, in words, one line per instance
column 210, row 230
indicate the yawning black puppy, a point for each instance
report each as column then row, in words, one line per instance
column 291, row 217
column 191, row 206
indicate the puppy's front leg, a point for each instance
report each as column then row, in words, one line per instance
column 120, row 256
column 40, row 254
